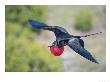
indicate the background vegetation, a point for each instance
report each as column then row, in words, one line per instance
column 83, row 19
column 23, row 51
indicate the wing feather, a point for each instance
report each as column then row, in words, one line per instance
column 36, row 24
column 56, row 29
column 75, row 45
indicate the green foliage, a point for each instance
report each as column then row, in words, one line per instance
column 23, row 51
column 21, row 14
column 83, row 19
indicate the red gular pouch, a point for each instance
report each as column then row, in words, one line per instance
column 56, row 51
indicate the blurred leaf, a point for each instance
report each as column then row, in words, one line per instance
column 23, row 51
column 83, row 19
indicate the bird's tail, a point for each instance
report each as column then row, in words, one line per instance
column 91, row 34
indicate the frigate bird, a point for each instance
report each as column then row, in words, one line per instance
column 63, row 38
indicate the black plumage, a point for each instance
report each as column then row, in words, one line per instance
column 63, row 38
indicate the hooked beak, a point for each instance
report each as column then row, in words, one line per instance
column 49, row 46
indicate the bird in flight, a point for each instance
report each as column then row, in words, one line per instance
column 63, row 38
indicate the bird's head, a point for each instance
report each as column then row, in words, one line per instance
column 55, row 49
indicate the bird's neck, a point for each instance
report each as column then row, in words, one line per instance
column 55, row 43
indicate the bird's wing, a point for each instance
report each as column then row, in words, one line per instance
column 81, row 42
column 60, row 29
column 36, row 24
column 75, row 45
column 39, row 25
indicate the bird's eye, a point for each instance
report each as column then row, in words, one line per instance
column 63, row 42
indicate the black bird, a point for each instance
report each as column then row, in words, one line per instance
column 63, row 38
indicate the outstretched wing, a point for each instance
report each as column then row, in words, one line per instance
column 76, row 46
column 36, row 24
column 56, row 29
column 41, row 25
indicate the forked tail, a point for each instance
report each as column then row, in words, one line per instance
column 91, row 34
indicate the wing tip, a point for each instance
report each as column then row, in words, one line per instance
column 96, row 62
column 93, row 60
column 30, row 20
